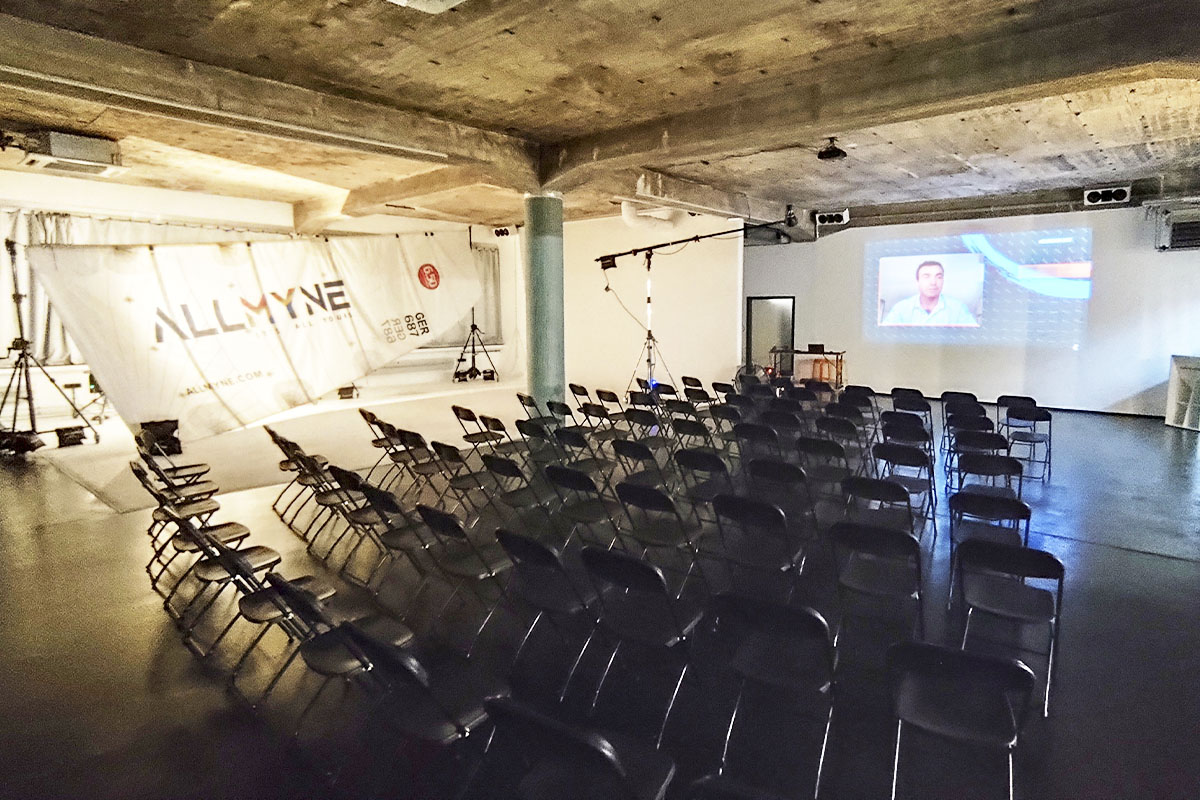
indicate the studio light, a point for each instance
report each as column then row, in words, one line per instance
column 831, row 152
column 608, row 262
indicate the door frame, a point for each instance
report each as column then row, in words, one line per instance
column 750, row 322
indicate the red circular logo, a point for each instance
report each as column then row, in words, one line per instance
column 427, row 274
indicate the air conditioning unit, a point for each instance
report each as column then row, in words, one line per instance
column 69, row 153
column 1177, row 228
column 1107, row 195
column 824, row 219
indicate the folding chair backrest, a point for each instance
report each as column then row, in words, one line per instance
column 645, row 498
column 625, row 570
column 642, row 400
column 797, row 625
column 749, row 513
column 560, row 409
column 448, row 453
column 822, row 449
column 691, row 383
column 534, row 430
column 1028, row 414
column 902, row 419
column 876, row 540
column 441, row 523
column 691, row 428
column 780, row 473
column 641, row 418
column 966, row 408
column 634, row 451
column 579, row 392
column 530, row 405
column 880, row 490
column 907, row 402
column 1022, row 562
column 346, row 480
column 464, row 414
column 697, row 396
column 969, row 422
column 570, row 479
column 727, row 413
column 949, row 667
column 504, row 467
column 987, row 441
column 701, row 461
column 608, row 397
column 723, row 389
column 902, row 455
column 384, row 503
column 996, row 509
column 522, row 549
column 536, row 736
column 572, row 439
column 959, row 397
column 989, row 465
column 665, row 390
column 901, row 391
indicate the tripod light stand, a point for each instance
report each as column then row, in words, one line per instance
column 13, row 439
column 650, row 352
column 475, row 343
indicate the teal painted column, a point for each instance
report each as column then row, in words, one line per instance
column 543, row 241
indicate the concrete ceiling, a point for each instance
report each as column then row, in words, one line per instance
column 362, row 106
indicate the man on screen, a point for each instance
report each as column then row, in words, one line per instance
column 928, row 306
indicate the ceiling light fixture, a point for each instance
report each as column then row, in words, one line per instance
column 429, row 6
column 831, row 152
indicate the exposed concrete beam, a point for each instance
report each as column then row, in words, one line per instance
column 661, row 189
column 62, row 63
column 377, row 196
column 1135, row 42
column 310, row 217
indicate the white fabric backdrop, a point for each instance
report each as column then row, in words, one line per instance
column 43, row 327
column 219, row 335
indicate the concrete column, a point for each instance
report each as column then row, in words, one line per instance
column 543, row 241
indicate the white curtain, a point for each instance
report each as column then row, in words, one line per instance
column 43, row 327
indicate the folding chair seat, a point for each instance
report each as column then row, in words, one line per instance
column 475, row 433
column 996, row 473
column 639, row 611
column 612, row 403
column 1006, row 401
column 745, row 404
column 647, row 428
column 539, row 442
column 699, row 398
column 583, row 503
column 825, row 463
column 564, row 417
column 958, row 696
column 879, row 501
column 473, row 562
column 664, row 391
column 822, row 389
column 787, row 652
column 381, row 439
column 514, row 489
column 1002, row 520
column 580, row 393
column 879, row 564
column 992, row 580
column 600, row 426
column 583, row 455
column 787, row 425
column 541, row 578
column 725, row 419
column 912, row 468
column 850, row 436
column 639, row 465
column 656, row 524
column 913, row 403
column 161, row 463
column 755, row 539
column 704, row 476
column 1030, row 428
column 460, row 478
column 507, row 445
column 694, row 434
column 723, row 390
column 534, row 412
column 757, row 440
column 558, row 760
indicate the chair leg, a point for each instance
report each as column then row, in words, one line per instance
column 1050, row 666
column 896, row 760
column 966, row 629
column 603, row 678
column 562, row 695
column 1010, row 775
column 524, row 639
column 824, row 746
column 309, row 706
column 663, row 728
column 729, row 729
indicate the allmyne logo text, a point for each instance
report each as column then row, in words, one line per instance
column 188, row 321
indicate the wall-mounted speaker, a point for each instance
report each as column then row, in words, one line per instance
column 829, row 218
column 1107, row 196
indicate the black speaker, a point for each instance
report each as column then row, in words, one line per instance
column 162, row 436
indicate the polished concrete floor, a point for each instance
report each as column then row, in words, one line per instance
column 101, row 700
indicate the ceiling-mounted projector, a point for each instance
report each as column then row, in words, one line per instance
column 429, row 6
column 68, row 152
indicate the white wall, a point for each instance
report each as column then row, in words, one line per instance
column 697, row 302
column 1145, row 306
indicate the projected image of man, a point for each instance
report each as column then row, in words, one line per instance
column 929, row 306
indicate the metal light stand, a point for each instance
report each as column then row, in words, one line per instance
column 11, row 438
column 475, row 343
column 650, row 352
